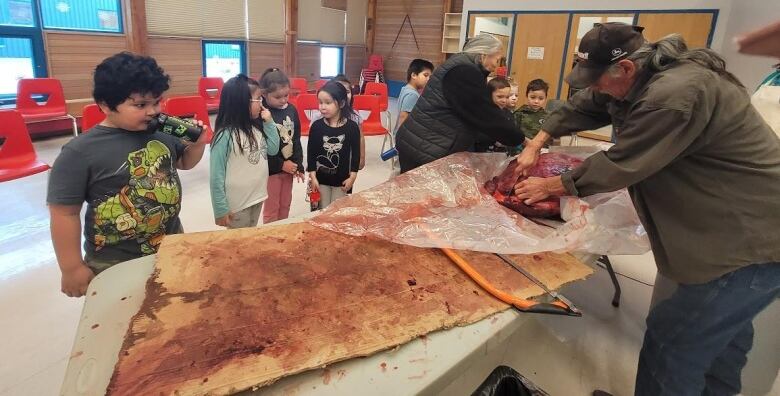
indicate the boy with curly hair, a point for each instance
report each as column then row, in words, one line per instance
column 125, row 173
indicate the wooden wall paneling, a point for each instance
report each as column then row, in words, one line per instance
column 182, row 59
column 427, row 19
column 135, row 25
column 694, row 27
column 371, row 26
column 574, row 42
column 264, row 55
column 76, row 106
column 356, row 57
column 72, row 59
column 290, row 36
column 538, row 30
column 308, row 56
column 457, row 6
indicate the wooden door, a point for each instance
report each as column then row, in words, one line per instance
column 694, row 27
column 545, row 35
column 581, row 24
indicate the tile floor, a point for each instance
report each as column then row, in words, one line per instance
column 564, row 356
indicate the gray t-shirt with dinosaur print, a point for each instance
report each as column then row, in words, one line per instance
column 131, row 187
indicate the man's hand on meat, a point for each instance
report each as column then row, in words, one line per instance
column 535, row 189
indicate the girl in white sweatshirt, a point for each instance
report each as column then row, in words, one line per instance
column 239, row 154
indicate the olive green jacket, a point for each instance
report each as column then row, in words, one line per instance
column 701, row 165
column 529, row 120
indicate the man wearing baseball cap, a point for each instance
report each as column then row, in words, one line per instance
column 703, row 171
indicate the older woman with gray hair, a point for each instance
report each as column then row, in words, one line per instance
column 455, row 107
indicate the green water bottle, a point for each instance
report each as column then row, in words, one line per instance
column 175, row 126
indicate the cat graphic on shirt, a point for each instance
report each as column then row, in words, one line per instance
column 328, row 163
column 286, row 129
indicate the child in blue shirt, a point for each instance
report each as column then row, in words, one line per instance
column 417, row 76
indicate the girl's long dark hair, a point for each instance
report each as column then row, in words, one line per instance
column 233, row 116
column 338, row 92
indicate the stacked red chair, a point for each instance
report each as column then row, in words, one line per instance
column 91, row 116
column 374, row 72
column 210, row 89
column 189, row 107
column 53, row 109
column 17, row 155
column 306, row 102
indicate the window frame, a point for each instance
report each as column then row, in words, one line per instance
column 241, row 43
column 121, row 21
column 342, row 53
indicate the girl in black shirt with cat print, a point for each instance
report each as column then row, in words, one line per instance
column 333, row 151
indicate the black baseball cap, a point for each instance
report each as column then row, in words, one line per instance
column 601, row 47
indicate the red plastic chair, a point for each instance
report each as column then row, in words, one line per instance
column 189, row 107
column 298, row 85
column 17, row 154
column 372, row 126
column 54, row 108
column 303, row 103
column 91, row 116
column 380, row 90
column 319, row 84
column 213, row 84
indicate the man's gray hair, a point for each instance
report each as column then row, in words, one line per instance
column 670, row 50
column 484, row 43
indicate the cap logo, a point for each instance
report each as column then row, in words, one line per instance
column 583, row 55
column 617, row 53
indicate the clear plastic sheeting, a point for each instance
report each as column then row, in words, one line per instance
column 444, row 204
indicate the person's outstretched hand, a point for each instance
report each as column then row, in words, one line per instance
column 526, row 160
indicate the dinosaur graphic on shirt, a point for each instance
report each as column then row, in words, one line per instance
column 141, row 210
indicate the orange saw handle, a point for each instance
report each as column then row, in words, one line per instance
column 555, row 308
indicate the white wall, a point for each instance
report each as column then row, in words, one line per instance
column 749, row 15
column 724, row 7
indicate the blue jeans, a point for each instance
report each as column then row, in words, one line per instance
column 696, row 342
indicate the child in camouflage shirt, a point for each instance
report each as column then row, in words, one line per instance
column 530, row 117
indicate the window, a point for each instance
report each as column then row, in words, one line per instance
column 16, row 62
column 21, row 46
column 17, row 13
column 223, row 59
column 331, row 61
column 89, row 15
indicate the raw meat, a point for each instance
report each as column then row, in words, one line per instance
column 549, row 164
